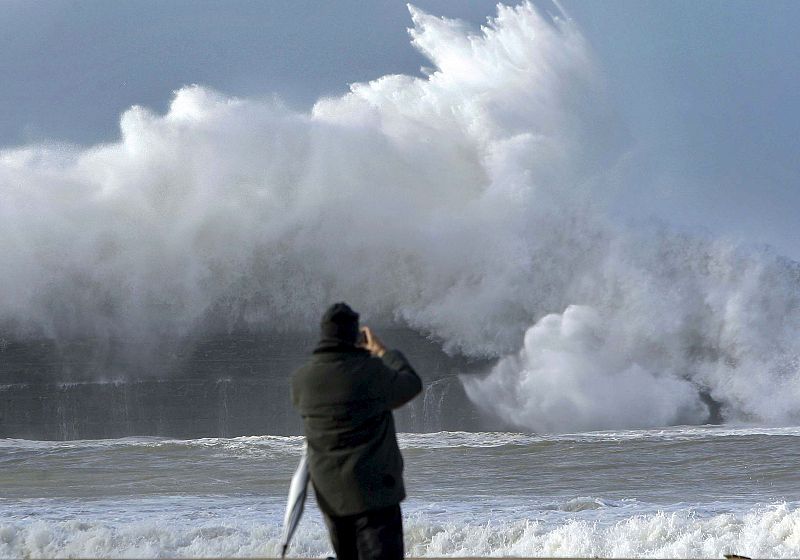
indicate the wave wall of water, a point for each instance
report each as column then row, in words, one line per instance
column 466, row 205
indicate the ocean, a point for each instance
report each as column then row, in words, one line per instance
column 688, row 492
column 477, row 205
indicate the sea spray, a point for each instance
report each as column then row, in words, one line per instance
column 574, row 373
column 692, row 318
column 434, row 202
column 466, row 204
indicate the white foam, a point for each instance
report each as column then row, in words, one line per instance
column 226, row 210
column 467, row 204
column 766, row 532
column 293, row 445
column 769, row 533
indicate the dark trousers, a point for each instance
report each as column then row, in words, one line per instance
column 370, row 535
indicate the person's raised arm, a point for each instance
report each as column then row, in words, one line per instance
column 403, row 383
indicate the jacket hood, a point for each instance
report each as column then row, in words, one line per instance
column 340, row 323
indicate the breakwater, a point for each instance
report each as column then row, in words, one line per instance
column 212, row 386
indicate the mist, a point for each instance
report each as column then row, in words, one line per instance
column 468, row 205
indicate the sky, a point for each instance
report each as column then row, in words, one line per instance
column 709, row 91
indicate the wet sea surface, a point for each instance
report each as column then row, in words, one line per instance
column 676, row 492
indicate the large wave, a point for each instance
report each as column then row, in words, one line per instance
column 466, row 204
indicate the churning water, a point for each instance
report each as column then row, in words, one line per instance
column 681, row 492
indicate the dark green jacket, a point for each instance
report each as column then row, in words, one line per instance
column 345, row 397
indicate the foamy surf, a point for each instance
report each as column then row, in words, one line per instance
column 677, row 492
column 769, row 531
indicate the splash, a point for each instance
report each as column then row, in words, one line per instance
column 465, row 204
column 769, row 531
column 427, row 201
column 574, row 374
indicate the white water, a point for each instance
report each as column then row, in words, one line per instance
column 466, row 204
column 772, row 531
column 686, row 492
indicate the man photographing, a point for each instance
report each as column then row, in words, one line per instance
column 346, row 393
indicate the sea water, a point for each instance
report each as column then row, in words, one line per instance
column 469, row 204
column 676, row 492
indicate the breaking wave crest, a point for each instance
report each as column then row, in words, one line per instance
column 466, row 204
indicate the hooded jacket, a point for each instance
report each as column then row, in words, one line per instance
column 346, row 397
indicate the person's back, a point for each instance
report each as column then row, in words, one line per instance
column 345, row 395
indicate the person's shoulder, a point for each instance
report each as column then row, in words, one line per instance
column 392, row 357
column 322, row 362
column 303, row 370
column 371, row 362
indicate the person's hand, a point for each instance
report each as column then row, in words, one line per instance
column 372, row 343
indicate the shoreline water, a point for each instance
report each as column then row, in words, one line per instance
column 679, row 492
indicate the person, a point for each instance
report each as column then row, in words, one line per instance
column 345, row 394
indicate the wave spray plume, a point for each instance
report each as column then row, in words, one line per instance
column 465, row 204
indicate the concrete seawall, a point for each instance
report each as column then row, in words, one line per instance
column 219, row 386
